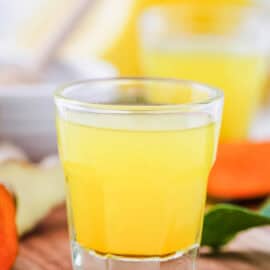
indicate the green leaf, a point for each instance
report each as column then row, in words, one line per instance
column 224, row 221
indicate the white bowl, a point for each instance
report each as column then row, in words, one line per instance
column 27, row 111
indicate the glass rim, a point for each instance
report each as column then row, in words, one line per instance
column 60, row 98
column 234, row 7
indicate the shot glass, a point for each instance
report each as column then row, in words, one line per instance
column 136, row 170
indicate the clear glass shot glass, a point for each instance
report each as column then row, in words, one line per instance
column 226, row 46
column 136, row 170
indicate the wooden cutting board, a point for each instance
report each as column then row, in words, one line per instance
column 47, row 248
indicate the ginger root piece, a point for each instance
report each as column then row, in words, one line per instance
column 37, row 190
column 49, row 162
column 8, row 233
column 9, row 151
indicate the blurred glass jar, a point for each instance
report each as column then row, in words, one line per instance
column 224, row 46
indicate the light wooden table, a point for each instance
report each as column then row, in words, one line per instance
column 47, row 248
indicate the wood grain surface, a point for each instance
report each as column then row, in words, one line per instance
column 47, row 248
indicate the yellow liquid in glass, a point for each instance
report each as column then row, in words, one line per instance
column 137, row 186
column 241, row 76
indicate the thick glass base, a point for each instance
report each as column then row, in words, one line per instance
column 89, row 260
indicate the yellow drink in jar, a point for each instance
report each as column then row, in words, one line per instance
column 241, row 75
